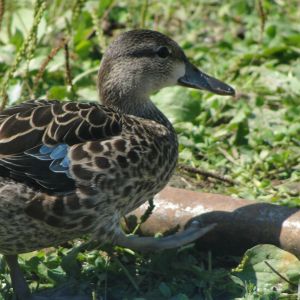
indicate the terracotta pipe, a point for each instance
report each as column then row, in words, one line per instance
column 241, row 223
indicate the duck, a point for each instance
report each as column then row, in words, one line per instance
column 69, row 169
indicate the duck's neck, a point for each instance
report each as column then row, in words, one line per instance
column 134, row 104
column 128, row 94
column 148, row 110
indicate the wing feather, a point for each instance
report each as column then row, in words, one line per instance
column 35, row 137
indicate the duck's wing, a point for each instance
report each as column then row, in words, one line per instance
column 35, row 137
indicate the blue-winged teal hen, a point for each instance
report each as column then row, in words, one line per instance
column 70, row 168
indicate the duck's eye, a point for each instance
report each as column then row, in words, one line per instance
column 163, row 52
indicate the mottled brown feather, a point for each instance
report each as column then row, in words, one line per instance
column 53, row 122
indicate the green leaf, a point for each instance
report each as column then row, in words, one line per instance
column 57, row 275
column 103, row 5
column 274, row 50
column 17, row 39
column 178, row 104
column 58, row 92
column 83, row 48
column 165, row 290
column 293, row 39
column 242, row 133
column 180, row 297
column 258, row 262
column 70, row 264
column 271, row 31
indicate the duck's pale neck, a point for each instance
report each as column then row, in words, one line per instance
column 130, row 99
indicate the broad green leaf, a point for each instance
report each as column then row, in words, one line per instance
column 17, row 39
column 258, row 262
column 57, row 92
column 178, row 104
column 57, row 275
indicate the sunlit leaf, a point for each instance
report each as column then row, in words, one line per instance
column 258, row 265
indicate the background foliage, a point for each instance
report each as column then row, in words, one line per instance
column 52, row 49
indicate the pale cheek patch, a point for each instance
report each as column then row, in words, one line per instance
column 178, row 71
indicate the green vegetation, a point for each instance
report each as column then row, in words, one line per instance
column 52, row 49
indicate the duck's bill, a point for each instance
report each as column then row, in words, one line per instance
column 195, row 78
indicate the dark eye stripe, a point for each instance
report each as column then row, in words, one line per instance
column 143, row 53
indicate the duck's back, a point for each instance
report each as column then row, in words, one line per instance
column 71, row 168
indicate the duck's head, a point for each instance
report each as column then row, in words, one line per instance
column 140, row 62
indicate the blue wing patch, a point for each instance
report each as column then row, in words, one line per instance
column 56, row 155
column 43, row 167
